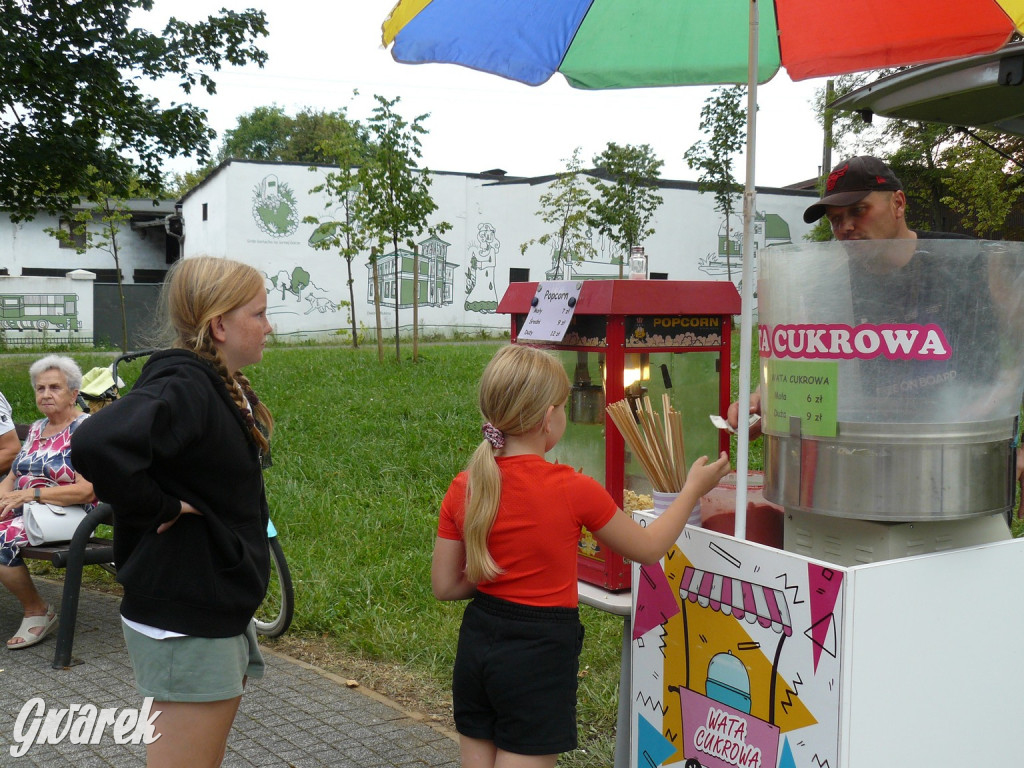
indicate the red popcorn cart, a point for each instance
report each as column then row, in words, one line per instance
column 629, row 339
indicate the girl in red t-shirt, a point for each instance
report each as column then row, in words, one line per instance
column 507, row 537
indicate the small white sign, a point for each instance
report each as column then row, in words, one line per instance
column 551, row 311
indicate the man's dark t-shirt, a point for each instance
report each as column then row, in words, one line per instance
column 934, row 287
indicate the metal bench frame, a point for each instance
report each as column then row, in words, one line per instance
column 83, row 549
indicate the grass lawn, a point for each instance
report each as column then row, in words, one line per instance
column 363, row 453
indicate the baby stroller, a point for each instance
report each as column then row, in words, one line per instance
column 102, row 386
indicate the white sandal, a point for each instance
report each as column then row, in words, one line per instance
column 44, row 623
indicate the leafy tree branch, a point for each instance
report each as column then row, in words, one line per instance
column 71, row 85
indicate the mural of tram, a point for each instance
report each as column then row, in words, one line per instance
column 39, row 312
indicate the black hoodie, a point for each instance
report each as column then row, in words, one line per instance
column 177, row 435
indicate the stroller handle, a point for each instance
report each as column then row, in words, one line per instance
column 127, row 357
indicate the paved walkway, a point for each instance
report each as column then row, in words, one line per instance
column 296, row 716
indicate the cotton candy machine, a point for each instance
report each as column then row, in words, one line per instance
column 891, row 379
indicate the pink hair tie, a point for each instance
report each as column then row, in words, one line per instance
column 494, row 436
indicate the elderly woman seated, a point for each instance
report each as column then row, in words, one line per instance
column 41, row 472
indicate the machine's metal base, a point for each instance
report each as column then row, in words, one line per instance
column 848, row 542
column 894, row 472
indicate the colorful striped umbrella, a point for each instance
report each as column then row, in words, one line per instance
column 600, row 44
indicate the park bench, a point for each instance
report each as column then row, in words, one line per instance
column 85, row 548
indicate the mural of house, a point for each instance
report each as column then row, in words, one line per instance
column 436, row 275
column 254, row 212
column 769, row 229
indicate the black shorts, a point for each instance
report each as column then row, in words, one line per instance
column 516, row 675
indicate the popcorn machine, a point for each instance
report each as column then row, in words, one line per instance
column 632, row 339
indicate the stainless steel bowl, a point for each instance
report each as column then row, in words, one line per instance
column 895, row 472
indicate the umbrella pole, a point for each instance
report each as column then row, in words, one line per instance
column 747, row 292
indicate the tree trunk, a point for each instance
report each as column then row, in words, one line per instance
column 349, row 255
column 398, row 298
column 415, row 301
column 120, row 289
column 376, row 305
column 352, row 303
column 728, row 248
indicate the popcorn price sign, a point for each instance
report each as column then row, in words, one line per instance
column 551, row 310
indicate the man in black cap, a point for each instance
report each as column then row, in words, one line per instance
column 865, row 201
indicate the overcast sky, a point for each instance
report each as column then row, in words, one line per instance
column 320, row 52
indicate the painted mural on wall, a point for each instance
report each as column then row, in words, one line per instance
column 254, row 212
column 604, row 265
column 39, row 311
column 481, row 291
column 296, row 286
column 436, row 275
column 769, row 229
column 736, row 658
column 274, row 207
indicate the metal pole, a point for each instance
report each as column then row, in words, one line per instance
column 826, row 153
column 747, row 290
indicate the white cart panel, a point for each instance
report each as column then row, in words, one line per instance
column 743, row 655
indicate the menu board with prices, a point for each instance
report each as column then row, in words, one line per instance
column 802, row 390
column 551, row 311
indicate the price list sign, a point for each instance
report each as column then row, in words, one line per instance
column 803, row 390
column 551, row 310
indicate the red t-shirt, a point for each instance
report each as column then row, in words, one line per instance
column 536, row 533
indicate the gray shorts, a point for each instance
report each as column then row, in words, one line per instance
column 193, row 668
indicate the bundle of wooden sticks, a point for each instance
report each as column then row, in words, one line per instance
column 656, row 441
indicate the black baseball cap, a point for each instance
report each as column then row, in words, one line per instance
column 851, row 181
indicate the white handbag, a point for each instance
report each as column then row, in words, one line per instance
column 50, row 523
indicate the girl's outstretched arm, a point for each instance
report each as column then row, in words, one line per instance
column 648, row 545
column 448, row 571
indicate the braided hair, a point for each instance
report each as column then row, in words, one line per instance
column 196, row 291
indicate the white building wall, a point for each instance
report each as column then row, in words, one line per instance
column 255, row 213
column 27, row 244
column 208, row 234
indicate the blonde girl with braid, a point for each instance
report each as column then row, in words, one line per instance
column 180, row 458
column 507, row 539
column 195, row 302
